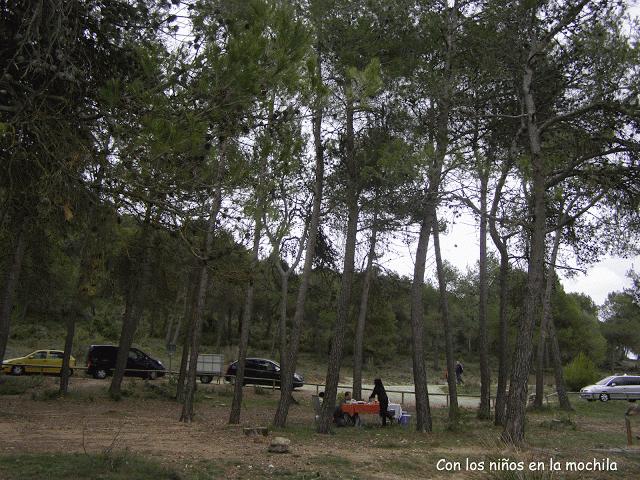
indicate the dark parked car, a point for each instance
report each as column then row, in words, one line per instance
column 261, row 371
column 101, row 361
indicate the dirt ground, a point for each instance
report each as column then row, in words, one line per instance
column 88, row 421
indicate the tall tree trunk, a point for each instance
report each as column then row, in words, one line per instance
column 201, row 297
column 344, row 300
column 288, row 369
column 423, row 410
column 282, row 325
column 503, row 285
column 561, row 389
column 362, row 315
column 547, row 328
column 275, row 340
column 503, row 358
column 65, row 372
column 10, row 284
column 186, row 318
column 516, row 404
column 195, row 333
column 515, row 416
column 236, row 405
column 446, row 321
column 484, row 412
column 184, row 358
column 280, row 333
column 134, row 305
column 544, row 323
column 78, row 303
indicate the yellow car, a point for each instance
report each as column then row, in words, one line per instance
column 40, row 361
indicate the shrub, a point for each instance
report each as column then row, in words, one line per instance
column 580, row 373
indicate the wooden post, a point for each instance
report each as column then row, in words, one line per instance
column 629, row 436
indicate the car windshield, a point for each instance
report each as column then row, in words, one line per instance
column 604, row 381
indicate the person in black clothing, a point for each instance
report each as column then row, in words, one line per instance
column 380, row 392
column 459, row 370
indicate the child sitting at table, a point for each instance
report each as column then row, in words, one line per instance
column 338, row 416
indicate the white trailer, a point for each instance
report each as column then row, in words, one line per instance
column 209, row 365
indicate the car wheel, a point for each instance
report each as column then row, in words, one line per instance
column 206, row 378
column 100, row 374
column 17, row 370
column 604, row 397
column 152, row 375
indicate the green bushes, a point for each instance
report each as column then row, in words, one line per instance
column 580, row 373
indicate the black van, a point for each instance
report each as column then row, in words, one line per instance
column 101, row 361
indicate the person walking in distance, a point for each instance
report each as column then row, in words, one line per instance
column 459, row 370
column 380, row 392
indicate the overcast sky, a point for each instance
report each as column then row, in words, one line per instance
column 460, row 246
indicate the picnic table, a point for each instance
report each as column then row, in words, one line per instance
column 358, row 408
column 354, row 409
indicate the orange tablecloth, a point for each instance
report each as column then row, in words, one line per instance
column 356, row 408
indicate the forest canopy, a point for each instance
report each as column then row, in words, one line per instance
column 233, row 173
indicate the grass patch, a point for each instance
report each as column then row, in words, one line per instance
column 121, row 465
column 335, row 466
column 118, row 466
column 19, row 385
column 225, row 390
column 260, row 401
column 562, row 423
column 467, row 388
column 45, row 395
column 401, row 465
column 162, row 391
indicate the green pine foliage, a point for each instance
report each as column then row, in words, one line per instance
column 580, row 373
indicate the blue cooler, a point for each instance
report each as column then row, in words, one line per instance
column 405, row 420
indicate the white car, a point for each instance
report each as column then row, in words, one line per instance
column 615, row 387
